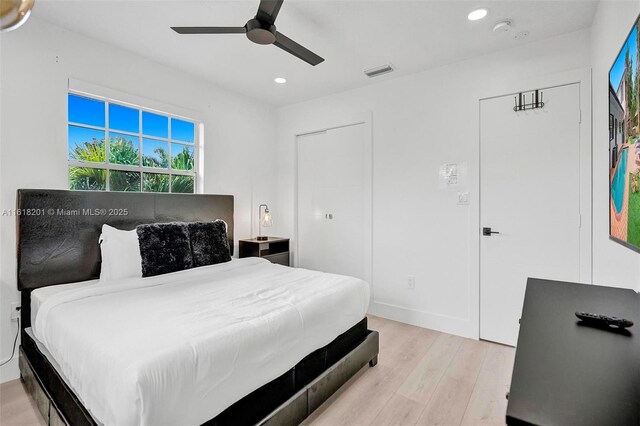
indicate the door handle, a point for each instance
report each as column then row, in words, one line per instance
column 487, row 232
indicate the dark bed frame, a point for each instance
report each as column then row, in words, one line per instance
column 57, row 242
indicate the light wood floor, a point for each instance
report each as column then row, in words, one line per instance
column 423, row 377
column 16, row 407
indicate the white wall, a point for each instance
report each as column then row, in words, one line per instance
column 35, row 65
column 613, row 264
column 419, row 123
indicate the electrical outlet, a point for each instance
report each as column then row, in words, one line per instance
column 411, row 282
column 15, row 311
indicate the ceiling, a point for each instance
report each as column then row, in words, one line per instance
column 351, row 35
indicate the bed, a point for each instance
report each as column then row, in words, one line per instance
column 242, row 342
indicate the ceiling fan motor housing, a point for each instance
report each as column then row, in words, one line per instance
column 261, row 32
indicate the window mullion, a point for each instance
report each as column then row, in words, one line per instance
column 140, row 168
column 170, row 156
column 107, row 145
column 140, row 153
column 86, row 126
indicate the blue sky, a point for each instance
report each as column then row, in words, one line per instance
column 155, row 125
column 630, row 45
column 123, row 118
column 86, row 111
column 91, row 112
column 182, row 131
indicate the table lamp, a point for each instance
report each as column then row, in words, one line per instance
column 263, row 220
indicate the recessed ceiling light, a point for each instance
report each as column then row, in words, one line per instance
column 477, row 14
column 280, row 80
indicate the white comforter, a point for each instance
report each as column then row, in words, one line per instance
column 181, row 347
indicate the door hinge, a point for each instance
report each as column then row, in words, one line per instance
column 579, row 116
column 579, row 221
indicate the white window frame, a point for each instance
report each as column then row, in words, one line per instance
column 196, row 173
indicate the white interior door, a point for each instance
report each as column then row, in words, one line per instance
column 530, row 194
column 312, row 203
column 334, row 201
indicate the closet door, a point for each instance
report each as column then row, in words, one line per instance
column 312, row 221
column 334, row 201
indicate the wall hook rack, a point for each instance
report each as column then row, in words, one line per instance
column 521, row 101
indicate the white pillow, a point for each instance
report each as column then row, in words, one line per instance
column 120, row 254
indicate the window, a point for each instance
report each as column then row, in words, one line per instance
column 118, row 147
column 611, row 127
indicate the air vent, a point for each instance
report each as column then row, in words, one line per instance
column 374, row 72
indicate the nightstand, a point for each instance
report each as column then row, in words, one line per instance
column 274, row 249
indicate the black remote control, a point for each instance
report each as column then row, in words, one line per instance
column 604, row 320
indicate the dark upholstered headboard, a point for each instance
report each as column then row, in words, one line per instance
column 57, row 235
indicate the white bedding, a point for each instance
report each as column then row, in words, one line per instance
column 40, row 295
column 180, row 348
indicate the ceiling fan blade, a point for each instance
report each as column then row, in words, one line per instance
column 268, row 10
column 288, row 45
column 209, row 30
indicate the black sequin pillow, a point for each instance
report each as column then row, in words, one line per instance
column 209, row 242
column 164, row 248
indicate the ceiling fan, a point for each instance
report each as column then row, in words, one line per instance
column 261, row 30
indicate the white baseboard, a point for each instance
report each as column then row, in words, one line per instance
column 10, row 370
column 457, row 326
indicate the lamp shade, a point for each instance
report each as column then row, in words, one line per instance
column 14, row 13
column 266, row 219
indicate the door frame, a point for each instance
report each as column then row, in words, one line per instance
column 332, row 123
column 582, row 77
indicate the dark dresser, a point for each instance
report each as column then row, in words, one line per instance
column 567, row 373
